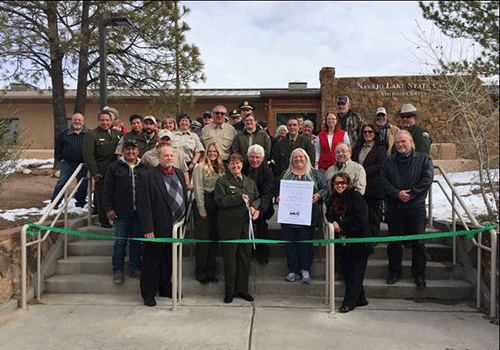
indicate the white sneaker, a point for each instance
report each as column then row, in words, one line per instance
column 306, row 278
column 292, row 277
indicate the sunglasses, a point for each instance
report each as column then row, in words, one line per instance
column 219, row 113
column 207, row 117
column 368, row 131
column 407, row 116
column 337, row 183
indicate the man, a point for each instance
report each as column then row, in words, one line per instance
column 119, row 197
column 251, row 136
column 151, row 157
column 162, row 202
column 256, row 169
column 406, row 177
column 150, row 131
column 136, row 123
column 207, row 118
column 387, row 131
column 245, row 108
column 236, row 120
column 421, row 136
column 113, row 112
column 99, row 147
column 68, row 150
column 344, row 164
column 350, row 121
column 219, row 132
column 284, row 147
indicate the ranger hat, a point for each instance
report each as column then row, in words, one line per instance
column 245, row 105
column 234, row 114
column 408, row 108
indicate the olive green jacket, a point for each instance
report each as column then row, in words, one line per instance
column 99, row 149
column 228, row 192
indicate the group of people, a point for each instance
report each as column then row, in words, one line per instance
column 234, row 166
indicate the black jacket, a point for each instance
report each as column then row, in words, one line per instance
column 414, row 172
column 120, row 187
column 283, row 149
column 68, row 145
column 153, row 208
column 265, row 186
column 372, row 164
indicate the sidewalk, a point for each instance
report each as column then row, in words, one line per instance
column 89, row 321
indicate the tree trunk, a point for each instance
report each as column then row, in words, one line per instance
column 83, row 70
column 57, row 76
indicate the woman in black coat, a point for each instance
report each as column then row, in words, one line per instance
column 371, row 153
column 347, row 211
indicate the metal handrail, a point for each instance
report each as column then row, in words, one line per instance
column 478, row 243
column 178, row 231
column 39, row 240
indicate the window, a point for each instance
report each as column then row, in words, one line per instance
column 9, row 127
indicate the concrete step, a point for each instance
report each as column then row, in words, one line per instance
column 375, row 288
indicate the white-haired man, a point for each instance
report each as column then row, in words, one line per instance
column 406, row 177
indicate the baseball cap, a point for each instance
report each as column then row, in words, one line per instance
column 165, row 133
column 343, row 99
column 207, row 115
column 130, row 142
column 150, row 117
column 381, row 110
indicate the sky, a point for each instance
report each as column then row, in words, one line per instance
column 269, row 44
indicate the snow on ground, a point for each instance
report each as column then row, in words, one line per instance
column 465, row 183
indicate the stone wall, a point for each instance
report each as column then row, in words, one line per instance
column 366, row 94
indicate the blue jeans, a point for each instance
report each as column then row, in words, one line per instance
column 67, row 169
column 127, row 227
column 299, row 255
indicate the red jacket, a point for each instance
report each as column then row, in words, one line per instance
column 326, row 154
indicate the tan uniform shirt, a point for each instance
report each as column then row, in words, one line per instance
column 151, row 158
column 222, row 135
column 188, row 143
column 201, row 184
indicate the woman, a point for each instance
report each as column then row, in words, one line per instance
column 205, row 174
column 347, row 211
column 300, row 255
column 281, row 132
column 327, row 140
column 169, row 123
column 235, row 195
column 186, row 141
column 307, row 131
column 371, row 153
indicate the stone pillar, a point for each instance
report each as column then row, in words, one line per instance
column 327, row 86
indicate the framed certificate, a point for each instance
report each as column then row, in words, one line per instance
column 295, row 206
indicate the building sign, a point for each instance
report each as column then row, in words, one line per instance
column 393, row 89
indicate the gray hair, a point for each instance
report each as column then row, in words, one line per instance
column 256, row 149
column 281, row 128
column 343, row 143
column 407, row 133
column 225, row 109
column 308, row 122
column 307, row 167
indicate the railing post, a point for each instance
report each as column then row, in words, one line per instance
column 493, row 269
column 24, row 284
column 429, row 206
column 478, row 287
column 331, row 271
column 89, row 198
column 454, row 227
column 66, row 223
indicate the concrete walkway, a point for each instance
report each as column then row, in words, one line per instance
column 86, row 321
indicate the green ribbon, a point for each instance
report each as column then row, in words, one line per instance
column 35, row 229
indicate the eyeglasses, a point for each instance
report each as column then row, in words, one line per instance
column 368, row 131
column 407, row 116
column 219, row 113
column 337, row 183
